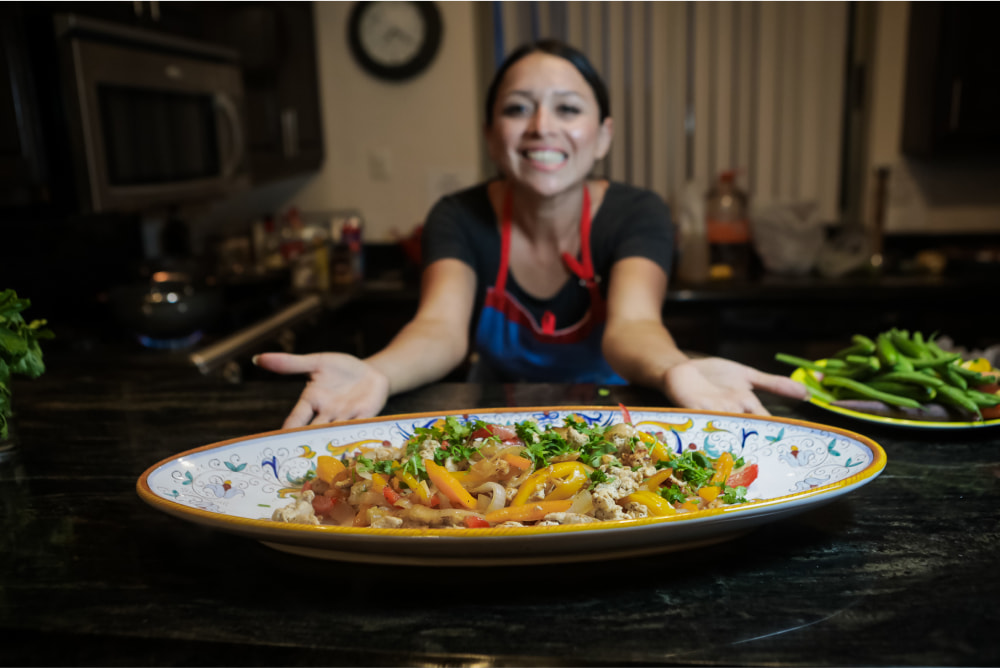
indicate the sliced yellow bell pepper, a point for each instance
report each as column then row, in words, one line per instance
column 655, row 481
column 660, row 452
column 646, row 437
column 328, row 468
column 689, row 505
column 979, row 365
column 657, row 505
column 723, row 467
column 449, row 485
column 379, row 482
column 709, row 493
column 413, row 484
column 568, row 476
column 531, row 512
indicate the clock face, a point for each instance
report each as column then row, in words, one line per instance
column 394, row 40
column 392, row 32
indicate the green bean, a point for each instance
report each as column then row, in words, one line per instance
column 887, row 353
column 976, row 377
column 936, row 361
column 983, row 398
column 816, row 390
column 955, row 378
column 912, row 377
column 866, row 344
column 957, row 397
column 867, row 362
column 903, row 343
column 866, row 391
column 913, row 391
column 831, row 365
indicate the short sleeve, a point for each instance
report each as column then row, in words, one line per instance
column 444, row 235
column 638, row 225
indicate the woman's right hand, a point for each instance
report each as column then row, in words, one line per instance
column 340, row 386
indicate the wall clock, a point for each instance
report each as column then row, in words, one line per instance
column 394, row 40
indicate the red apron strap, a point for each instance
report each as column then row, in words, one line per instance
column 585, row 270
column 500, row 284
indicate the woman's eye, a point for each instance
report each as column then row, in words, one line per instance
column 514, row 109
column 568, row 109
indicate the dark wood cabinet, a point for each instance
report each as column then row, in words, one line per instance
column 23, row 176
column 952, row 98
column 277, row 45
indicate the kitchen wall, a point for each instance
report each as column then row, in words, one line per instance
column 393, row 148
column 923, row 197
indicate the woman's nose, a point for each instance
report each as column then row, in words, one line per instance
column 541, row 121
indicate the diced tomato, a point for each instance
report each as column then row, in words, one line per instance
column 323, row 505
column 434, row 501
column 742, row 477
column 308, row 485
column 474, row 522
column 503, row 432
column 391, row 495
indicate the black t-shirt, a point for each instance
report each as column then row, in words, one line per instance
column 630, row 222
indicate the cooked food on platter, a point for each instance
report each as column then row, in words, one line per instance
column 478, row 474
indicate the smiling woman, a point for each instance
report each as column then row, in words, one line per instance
column 558, row 276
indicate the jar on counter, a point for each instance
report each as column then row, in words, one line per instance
column 728, row 227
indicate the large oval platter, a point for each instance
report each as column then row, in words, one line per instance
column 235, row 485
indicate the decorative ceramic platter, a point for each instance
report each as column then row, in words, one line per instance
column 235, row 486
column 800, row 374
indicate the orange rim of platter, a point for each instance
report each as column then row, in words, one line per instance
column 172, row 507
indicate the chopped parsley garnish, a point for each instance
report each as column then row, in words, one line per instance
column 735, row 495
column 692, row 467
column 673, row 494
column 597, row 476
column 380, row 466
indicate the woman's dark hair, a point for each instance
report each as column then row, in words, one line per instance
column 553, row 47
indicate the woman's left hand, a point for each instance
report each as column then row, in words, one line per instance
column 713, row 383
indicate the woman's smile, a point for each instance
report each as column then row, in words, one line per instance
column 547, row 131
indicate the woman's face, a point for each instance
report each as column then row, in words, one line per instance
column 546, row 132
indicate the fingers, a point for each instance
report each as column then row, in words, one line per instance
column 300, row 416
column 286, row 363
column 780, row 385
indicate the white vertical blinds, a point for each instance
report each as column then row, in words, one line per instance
column 701, row 87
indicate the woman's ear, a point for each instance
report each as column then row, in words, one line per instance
column 604, row 136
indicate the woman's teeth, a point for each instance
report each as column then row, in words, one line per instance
column 546, row 157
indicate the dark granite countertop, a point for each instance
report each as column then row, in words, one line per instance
column 901, row 572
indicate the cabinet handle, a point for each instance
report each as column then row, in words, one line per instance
column 290, row 132
column 154, row 10
column 229, row 111
column 137, row 7
column 956, row 104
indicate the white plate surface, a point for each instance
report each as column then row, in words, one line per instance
column 235, row 485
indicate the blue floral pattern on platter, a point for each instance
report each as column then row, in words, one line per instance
column 250, row 477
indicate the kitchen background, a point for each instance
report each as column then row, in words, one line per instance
column 870, row 127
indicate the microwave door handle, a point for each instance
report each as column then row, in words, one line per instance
column 225, row 104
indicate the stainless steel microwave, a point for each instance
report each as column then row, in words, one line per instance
column 154, row 120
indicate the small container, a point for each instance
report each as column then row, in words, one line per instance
column 728, row 227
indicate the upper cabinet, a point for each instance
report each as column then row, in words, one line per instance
column 277, row 45
column 952, row 99
column 23, row 176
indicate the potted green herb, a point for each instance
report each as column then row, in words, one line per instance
column 20, row 353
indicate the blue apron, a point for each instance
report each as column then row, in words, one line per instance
column 510, row 339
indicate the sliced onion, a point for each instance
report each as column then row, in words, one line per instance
column 499, row 499
column 583, row 503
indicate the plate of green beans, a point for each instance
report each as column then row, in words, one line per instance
column 902, row 378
